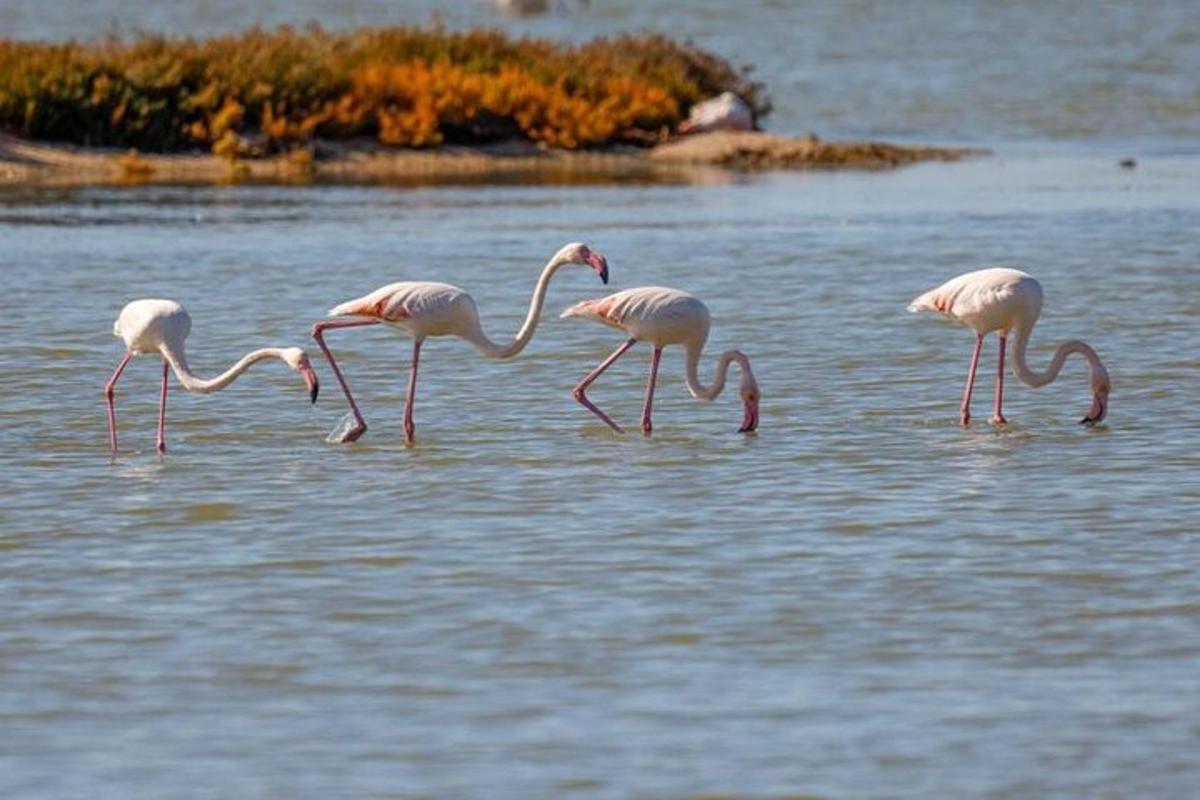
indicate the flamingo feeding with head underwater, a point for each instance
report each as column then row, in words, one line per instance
column 1008, row 300
column 161, row 326
column 663, row 317
column 423, row 309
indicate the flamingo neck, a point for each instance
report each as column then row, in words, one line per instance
column 177, row 358
column 698, row 389
column 495, row 350
column 1035, row 379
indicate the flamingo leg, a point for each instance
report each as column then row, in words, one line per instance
column 409, row 426
column 998, row 415
column 966, row 401
column 360, row 426
column 109, row 389
column 161, row 444
column 579, row 391
column 647, row 426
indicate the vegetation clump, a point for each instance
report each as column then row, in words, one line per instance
column 267, row 91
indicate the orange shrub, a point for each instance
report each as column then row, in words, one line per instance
column 262, row 91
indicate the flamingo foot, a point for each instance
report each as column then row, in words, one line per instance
column 647, row 428
column 965, row 419
column 161, row 447
column 348, row 430
column 410, row 437
column 590, row 406
column 998, row 419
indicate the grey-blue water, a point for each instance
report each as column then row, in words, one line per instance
column 863, row 600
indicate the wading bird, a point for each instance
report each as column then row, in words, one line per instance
column 161, row 326
column 662, row 317
column 438, row 309
column 1007, row 300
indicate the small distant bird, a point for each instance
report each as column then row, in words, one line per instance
column 438, row 309
column 161, row 326
column 664, row 316
column 531, row 6
column 725, row 112
column 1005, row 300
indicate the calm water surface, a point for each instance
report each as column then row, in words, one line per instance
column 863, row 600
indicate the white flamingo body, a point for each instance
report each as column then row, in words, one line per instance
column 987, row 300
column 419, row 308
column 146, row 325
column 154, row 326
column 423, row 309
column 653, row 314
column 664, row 317
column 1002, row 300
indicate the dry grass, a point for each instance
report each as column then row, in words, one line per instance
column 270, row 91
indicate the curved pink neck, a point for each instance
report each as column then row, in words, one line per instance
column 177, row 358
column 1034, row 378
column 702, row 392
column 525, row 334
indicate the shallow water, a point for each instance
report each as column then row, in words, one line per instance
column 862, row 600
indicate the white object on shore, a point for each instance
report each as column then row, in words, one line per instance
column 725, row 112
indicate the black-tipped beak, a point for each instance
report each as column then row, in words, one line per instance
column 310, row 380
column 750, row 418
column 600, row 264
column 1097, row 412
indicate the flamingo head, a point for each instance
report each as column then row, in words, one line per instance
column 297, row 359
column 1101, row 386
column 750, row 397
column 580, row 253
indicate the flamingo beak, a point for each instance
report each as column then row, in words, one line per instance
column 1098, row 411
column 310, row 380
column 750, row 417
column 598, row 263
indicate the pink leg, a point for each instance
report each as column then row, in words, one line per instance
column 409, row 426
column 360, row 426
column 966, row 401
column 108, row 396
column 647, row 426
column 581, row 387
column 162, row 413
column 998, row 416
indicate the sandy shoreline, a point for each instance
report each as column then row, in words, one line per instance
column 25, row 162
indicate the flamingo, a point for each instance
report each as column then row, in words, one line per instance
column 663, row 316
column 161, row 326
column 423, row 309
column 1004, row 300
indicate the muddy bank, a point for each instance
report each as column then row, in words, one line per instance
column 757, row 150
column 23, row 161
